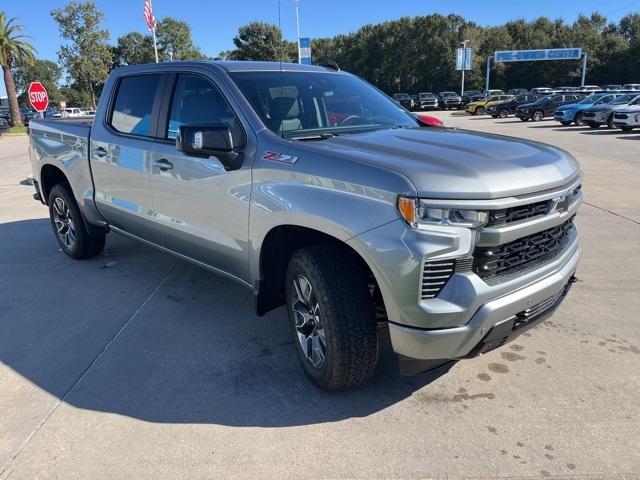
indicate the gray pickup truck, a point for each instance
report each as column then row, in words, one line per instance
column 318, row 192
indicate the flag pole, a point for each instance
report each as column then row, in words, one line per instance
column 155, row 44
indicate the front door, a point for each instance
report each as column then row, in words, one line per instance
column 201, row 209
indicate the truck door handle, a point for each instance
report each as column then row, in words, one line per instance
column 100, row 152
column 163, row 164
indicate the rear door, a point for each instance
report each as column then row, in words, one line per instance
column 201, row 209
column 121, row 153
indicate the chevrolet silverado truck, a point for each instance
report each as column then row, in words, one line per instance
column 317, row 192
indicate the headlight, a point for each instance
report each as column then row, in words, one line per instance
column 417, row 212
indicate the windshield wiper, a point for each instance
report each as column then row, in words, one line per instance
column 314, row 136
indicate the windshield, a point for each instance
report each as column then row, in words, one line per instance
column 448, row 94
column 591, row 99
column 401, row 96
column 427, row 95
column 624, row 99
column 303, row 103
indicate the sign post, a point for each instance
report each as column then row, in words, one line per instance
column 38, row 97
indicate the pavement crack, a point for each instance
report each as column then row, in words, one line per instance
column 612, row 213
column 33, row 433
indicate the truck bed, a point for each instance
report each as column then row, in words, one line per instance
column 79, row 127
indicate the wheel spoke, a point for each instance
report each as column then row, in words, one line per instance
column 58, row 206
column 59, row 225
column 317, row 350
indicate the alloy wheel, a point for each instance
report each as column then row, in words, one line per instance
column 309, row 326
column 65, row 227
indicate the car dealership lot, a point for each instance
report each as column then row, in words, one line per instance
column 136, row 365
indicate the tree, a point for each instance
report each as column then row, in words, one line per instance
column 133, row 49
column 14, row 47
column 261, row 41
column 87, row 57
column 174, row 39
column 44, row 71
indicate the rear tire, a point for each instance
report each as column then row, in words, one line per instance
column 626, row 129
column 68, row 225
column 332, row 317
column 503, row 113
column 593, row 125
column 565, row 124
column 480, row 110
column 537, row 116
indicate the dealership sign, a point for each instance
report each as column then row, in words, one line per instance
column 535, row 55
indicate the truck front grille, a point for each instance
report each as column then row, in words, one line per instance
column 513, row 214
column 434, row 276
column 522, row 253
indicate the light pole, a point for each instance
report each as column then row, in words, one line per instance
column 464, row 63
column 297, row 3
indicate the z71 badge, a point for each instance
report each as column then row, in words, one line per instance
column 279, row 157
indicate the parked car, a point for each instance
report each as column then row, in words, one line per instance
column 491, row 93
column 71, row 112
column 517, row 91
column 572, row 113
column 479, row 107
column 544, row 107
column 471, row 96
column 508, row 107
column 453, row 244
column 627, row 119
column 595, row 117
column 541, row 91
column 4, row 125
column 430, row 121
column 449, row 100
column 404, row 99
column 611, row 87
column 27, row 114
column 589, row 88
column 631, row 86
column 427, row 101
column 565, row 89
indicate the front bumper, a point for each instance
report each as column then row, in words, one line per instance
column 493, row 324
column 598, row 117
column 564, row 116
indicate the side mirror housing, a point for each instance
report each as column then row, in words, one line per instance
column 208, row 140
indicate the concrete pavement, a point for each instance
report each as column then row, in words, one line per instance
column 136, row 365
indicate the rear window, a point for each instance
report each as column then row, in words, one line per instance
column 133, row 104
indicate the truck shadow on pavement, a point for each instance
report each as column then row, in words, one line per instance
column 135, row 332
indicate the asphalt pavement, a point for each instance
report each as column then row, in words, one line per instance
column 137, row 365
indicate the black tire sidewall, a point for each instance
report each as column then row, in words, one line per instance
column 332, row 374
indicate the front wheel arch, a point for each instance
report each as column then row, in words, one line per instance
column 279, row 245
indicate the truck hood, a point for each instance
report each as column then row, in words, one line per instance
column 459, row 164
column 607, row 108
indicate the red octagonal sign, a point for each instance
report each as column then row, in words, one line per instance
column 38, row 97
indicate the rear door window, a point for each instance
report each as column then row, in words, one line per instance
column 133, row 104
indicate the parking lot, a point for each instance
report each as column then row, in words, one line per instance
column 137, row 365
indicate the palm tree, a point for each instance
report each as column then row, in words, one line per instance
column 14, row 47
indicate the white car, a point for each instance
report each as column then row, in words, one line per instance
column 627, row 119
column 71, row 112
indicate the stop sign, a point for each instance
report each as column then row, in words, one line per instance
column 38, row 97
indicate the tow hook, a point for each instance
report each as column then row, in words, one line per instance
column 36, row 196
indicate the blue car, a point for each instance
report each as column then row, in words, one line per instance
column 572, row 113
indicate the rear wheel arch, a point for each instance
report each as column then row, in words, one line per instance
column 277, row 248
column 50, row 176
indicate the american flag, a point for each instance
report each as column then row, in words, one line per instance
column 148, row 15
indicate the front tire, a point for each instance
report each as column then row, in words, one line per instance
column 504, row 113
column 480, row 110
column 626, row 129
column 537, row 116
column 332, row 317
column 565, row 124
column 578, row 120
column 593, row 125
column 69, row 228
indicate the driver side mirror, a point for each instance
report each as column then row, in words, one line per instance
column 208, row 140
